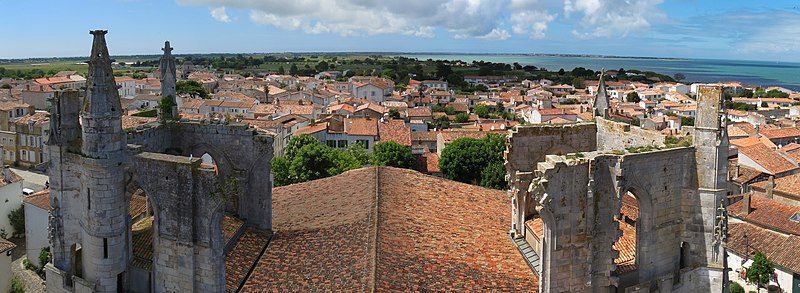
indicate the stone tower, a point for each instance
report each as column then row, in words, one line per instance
column 168, row 76
column 601, row 105
column 89, row 222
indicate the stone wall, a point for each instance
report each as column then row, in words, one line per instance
column 188, row 245
column 617, row 136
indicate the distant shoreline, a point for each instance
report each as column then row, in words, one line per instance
column 156, row 56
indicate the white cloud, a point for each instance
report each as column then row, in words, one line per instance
column 531, row 21
column 461, row 18
column 496, row 35
column 612, row 18
column 219, row 14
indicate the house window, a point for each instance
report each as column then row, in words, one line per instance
column 331, row 143
column 24, row 154
column 373, row 93
column 364, row 143
column 342, row 143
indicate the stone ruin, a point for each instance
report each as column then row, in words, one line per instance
column 610, row 207
column 96, row 166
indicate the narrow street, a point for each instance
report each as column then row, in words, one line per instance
column 33, row 283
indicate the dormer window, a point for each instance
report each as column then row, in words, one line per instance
column 795, row 218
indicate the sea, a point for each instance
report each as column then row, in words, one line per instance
column 761, row 73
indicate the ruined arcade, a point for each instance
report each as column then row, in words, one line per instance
column 97, row 167
column 610, row 207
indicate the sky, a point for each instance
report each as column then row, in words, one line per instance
column 713, row 29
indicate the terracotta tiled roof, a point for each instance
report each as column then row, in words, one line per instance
column 788, row 185
column 768, row 213
column 328, row 241
column 40, row 199
column 751, row 141
column 133, row 121
column 781, row 132
column 361, row 126
column 395, row 130
column 768, row 158
column 312, row 129
column 142, row 242
column 449, row 136
column 418, row 112
column 138, row 204
column 746, row 174
column 230, row 225
column 243, row 256
column 779, row 248
column 6, row 245
column 423, row 136
column 626, row 245
column 536, row 226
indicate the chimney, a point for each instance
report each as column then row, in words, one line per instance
column 770, row 186
column 7, row 173
column 746, row 208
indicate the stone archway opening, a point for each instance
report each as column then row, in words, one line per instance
column 626, row 245
column 209, row 162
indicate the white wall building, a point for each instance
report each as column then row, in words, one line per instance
column 10, row 197
column 5, row 264
column 37, row 208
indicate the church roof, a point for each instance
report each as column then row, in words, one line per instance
column 389, row 229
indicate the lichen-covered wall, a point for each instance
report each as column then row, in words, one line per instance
column 578, row 199
column 617, row 136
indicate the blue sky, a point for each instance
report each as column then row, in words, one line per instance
column 747, row 30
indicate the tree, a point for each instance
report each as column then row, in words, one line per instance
column 311, row 162
column 322, row 66
column 293, row 70
column 165, row 105
column 5, row 86
column 461, row 160
column 679, row 76
column 342, row 161
column 443, row 70
column 494, row 176
column 578, row 82
column 391, row 153
column 481, row 110
column 297, row 142
column 281, row 70
column 192, row 88
column 632, row 97
column 17, row 219
column 761, row 271
column 687, row 121
column 461, row 118
column 475, row 161
column 280, row 171
column 359, row 152
column 394, row 114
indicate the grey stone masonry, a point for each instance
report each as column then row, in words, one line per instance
column 95, row 165
column 574, row 178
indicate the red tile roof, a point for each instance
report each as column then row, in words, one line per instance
column 768, row 158
column 626, row 245
column 768, row 213
column 40, row 199
column 789, row 185
column 781, row 132
column 779, row 248
column 418, row 112
column 330, row 232
column 6, row 245
column 395, row 130
column 243, row 256
column 361, row 126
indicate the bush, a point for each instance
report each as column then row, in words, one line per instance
column 147, row 113
column 44, row 257
column 16, row 285
column 736, row 288
column 17, row 219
